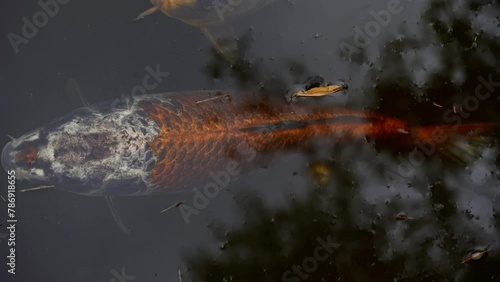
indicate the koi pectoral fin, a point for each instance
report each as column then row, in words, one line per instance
column 148, row 12
column 116, row 216
column 75, row 93
column 224, row 41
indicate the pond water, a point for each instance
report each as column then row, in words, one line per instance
column 352, row 211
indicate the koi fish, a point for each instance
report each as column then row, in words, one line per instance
column 212, row 17
column 204, row 13
column 162, row 143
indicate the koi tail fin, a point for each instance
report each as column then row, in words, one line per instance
column 458, row 143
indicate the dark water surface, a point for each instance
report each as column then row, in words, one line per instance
column 430, row 56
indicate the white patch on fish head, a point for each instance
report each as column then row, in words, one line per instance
column 101, row 147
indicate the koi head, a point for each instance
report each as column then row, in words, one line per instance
column 44, row 157
column 88, row 151
column 21, row 155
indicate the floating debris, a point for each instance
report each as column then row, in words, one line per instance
column 319, row 91
column 437, row 105
column 37, row 188
column 320, row 174
column 403, row 216
column 476, row 256
column 213, row 98
column 173, row 206
column 401, row 130
column 180, row 276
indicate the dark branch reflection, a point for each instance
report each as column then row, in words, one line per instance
column 453, row 206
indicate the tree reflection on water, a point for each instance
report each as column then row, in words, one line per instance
column 453, row 208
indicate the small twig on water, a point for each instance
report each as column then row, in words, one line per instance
column 403, row 217
column 476, row 256
column 213, row 98
column 37, row 188
column 172, row 206
column 474, row 43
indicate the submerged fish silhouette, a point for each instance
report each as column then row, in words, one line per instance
column 212, row 17
column 165, row 142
